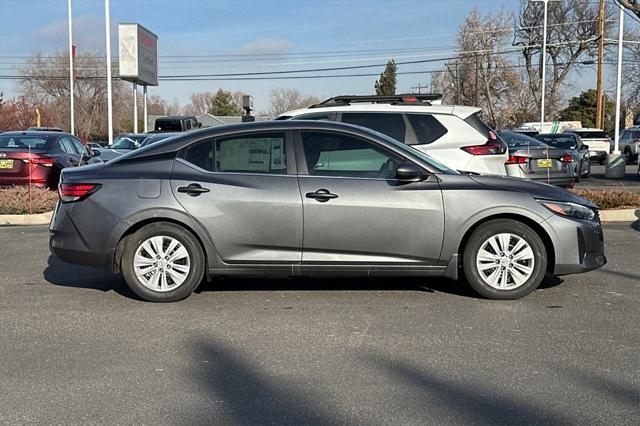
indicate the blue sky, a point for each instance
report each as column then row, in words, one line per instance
column 212, row 27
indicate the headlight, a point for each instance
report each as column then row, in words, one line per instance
column 572, row 210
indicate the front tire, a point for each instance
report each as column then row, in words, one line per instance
column 504, row 260
column 162, row 262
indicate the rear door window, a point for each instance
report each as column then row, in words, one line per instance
column 388, row 123
column 426, row 127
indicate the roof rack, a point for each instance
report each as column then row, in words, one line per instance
column 403, row 99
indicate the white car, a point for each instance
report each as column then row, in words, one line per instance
column 630, row 143
column 454, row 135
column 597, row 140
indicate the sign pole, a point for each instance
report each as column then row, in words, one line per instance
column 71, row 106
column 144, row 108
column 107, row 22
column 135, row 108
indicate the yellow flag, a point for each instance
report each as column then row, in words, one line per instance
column 37, row 117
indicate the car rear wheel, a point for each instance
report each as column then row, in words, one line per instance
column 588, row 172
column 162, row 262
column 504, row 259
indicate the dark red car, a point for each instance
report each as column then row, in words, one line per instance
column 37, row 157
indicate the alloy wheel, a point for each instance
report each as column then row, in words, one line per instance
column 505, row 261
column 161, row 263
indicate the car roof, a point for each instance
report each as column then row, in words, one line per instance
column 175, row 143
column 458, row 110
column 35, row 133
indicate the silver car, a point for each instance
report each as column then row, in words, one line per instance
column 308, row 198
column 532, row 159
column 573, row 145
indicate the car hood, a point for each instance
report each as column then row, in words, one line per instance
column 536, row 189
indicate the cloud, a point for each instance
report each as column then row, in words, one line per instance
column 88, row 34
column 266, row 46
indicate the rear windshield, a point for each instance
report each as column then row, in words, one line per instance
column 24, row 142
column 476, row 122
column 559, row 140
column 591, row 135
column 516, row 140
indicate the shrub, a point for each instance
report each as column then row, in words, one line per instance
column 614, row 199
column 15, row 200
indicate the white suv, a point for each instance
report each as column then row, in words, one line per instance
column 630, row 143
column 453, row 135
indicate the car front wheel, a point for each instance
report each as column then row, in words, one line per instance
column 504, row 259
column 162, row 262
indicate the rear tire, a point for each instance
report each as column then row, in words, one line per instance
column 162, row 262
column 588, row 172
column 491, row 272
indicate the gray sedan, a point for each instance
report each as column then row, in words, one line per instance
column 531, row 159
column 309, row 198
column 573, row 145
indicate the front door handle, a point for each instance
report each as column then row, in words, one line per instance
column 321, row 195
column 192, row 189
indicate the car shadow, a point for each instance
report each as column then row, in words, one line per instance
column 75, row 276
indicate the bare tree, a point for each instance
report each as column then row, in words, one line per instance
column 283, row 100
column 572, row 35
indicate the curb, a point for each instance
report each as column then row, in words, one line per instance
column 26, row 219
column 622, row 215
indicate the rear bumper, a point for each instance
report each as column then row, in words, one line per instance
column 23, row 181
column 579, row 245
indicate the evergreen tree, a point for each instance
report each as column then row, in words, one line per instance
column 583, row 108
column 222, row 103
column 386, row 85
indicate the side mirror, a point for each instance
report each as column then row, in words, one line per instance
column 94, row 152
column 409, row 172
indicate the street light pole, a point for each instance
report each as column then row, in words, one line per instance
column 107, row 22
column 616, row 149
column 71, row 106
column 543, row 78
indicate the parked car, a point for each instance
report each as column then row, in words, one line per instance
column 37, row 157
column 597, row 140
column 454, row 135
column 230, row 200
column 94, row 147
column 630, row 143
column 157, row 137
column 531, row 159
column 182, row 123
column 574, row 146
column 121, row 145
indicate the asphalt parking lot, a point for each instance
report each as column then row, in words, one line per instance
column 598, row 180
column 77, row 347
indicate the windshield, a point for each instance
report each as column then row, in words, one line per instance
column 125, row 142
column 438, row 166
column 517, row 140
column 24, row 142
column 158, row 138
column 558, row 140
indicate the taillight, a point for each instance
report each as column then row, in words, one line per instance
column 70, row 192
column 567, row 158
column 492, row 147
column 516, row 159
column 40, row 161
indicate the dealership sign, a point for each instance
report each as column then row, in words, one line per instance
column 138, row 54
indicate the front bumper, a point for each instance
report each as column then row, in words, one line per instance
column 579, row 245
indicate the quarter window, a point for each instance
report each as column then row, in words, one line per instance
column 390, row 124
column 67, row 146
column 426, row 127
column 330, row 154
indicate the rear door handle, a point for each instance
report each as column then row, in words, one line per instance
column 192, row 189
column 321, row 195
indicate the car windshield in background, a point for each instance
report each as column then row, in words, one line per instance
column 516, row 140
column 591, row 135
column 558, row 140
column 23, row 142
column 125, row 143
column 157, row 138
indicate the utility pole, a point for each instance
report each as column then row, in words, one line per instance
column 419, row 88
column 457, row 85
column 107, row 24
column 600, row 96
column 71, row 76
